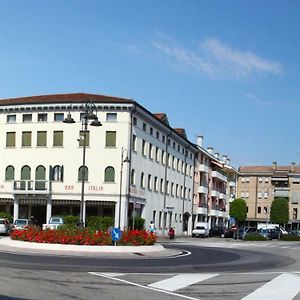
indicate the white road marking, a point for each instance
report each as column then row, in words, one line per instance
column 283, row 287
column 180, row 281
column 142, row 286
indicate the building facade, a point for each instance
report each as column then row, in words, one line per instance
column 259, row 185
column 135, row 164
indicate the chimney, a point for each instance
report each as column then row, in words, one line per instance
column 293, row 167
column 224, row 158
column 210, row 150
column 200, row 140
column 227, row 161
column 274, row 165
column 217, row 155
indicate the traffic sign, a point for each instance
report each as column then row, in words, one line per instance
column 116, row 234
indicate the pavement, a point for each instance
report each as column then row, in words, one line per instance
column 13, row 246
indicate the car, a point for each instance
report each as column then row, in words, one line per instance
column 54, row 223
column 243, row 231
column 201, row 230
column 271, row 234
column 295, row 232
column 219, row 231
column 4, row 226
column 23, row 224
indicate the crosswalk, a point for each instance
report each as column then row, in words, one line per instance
column 204, row 286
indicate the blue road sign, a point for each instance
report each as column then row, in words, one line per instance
column 116, row 234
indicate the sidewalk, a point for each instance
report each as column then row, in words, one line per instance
column 157, row 250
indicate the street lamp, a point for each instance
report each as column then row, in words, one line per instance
column 126, row 160
column 88, row 110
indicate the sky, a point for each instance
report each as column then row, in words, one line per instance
column 226, row 70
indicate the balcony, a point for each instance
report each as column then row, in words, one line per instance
column 202, row 210
column 232, row 184
column 281, row 192
column 31, row 187
column 216, row 174
column 215, row 193
column 223, row 196
column 202, row 190
column 203, row 168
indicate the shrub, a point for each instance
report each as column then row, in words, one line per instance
column 289, row 238
column 71, row 220
column 138, row 223
column 99, row 223
column 6, row 215
column 254, row 237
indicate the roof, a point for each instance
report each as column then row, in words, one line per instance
column 62, row 98
column 269, row 169
column 181, row 132
column 163, row 118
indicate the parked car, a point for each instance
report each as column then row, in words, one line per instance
column 243, row 231
column 22, row 224
column 219, row 231
column 271, row 234
column 54, row 223
column 4, row 226
column 295, row 232
column 201, row 230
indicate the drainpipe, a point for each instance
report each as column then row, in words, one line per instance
column 184, row 182
column 165, row 189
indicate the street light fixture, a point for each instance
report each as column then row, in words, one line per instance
column 126, row 160
column 88, row 110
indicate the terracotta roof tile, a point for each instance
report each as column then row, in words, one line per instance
column 62, row 98
column 267, row 169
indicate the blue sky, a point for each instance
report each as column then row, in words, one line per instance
column 227, row 70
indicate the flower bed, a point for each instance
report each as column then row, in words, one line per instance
column 83, row 237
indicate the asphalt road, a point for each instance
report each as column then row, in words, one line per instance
column 218, row 272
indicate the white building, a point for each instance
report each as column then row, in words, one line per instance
column 42, row 158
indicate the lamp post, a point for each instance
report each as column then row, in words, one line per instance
column 88, row 110
column 126, row 160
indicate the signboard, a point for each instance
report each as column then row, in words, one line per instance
column 232, row 221
column 116, row 234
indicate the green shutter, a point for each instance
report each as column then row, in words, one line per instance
column 10, row 139
column 26, row 138
column 110, row 139
column 41, row 138
column 109, row 175
column 58, row 138
column 10, row 173
column 87, row 138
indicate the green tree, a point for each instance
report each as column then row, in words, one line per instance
column 238, row 210
column 279, row 211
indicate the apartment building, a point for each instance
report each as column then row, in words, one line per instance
column 135, row 164
column 215, row 184
column 259, row 185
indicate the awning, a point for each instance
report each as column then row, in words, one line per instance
column 217, row 164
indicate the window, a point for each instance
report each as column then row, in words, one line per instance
column 27, row 118
column 142, row 180
column 58, row 138
column 109, row 174
column 150, row 151
column 174, row 163
column 25, row 175
column 81, row 138
column 157, row 135
column 243, row 179
column 42, row 117
column 242, row 194
column 134, row 121
column 40, row 176
column 260, row 179
column 178, row 148
column 162, row 157
column 111, row 117
column 26, row 138
column 83, row 174
column 161, row 185
column 41, row 139
column 155, row 184
column 177, row 190
column 178, row 165
column 169, row 160
column 172, row 189
column 259, row 195
column 295, row 213
column 246, row 194
column 11, row 118
column 56, row 173
column 144, row 126
column 151, row 130
column 149, row 181
column 144, row 147
column 134, row 142
column 110, row 139
column 132, row 177
column 266, row 180
column 247, row 179
column 10, row 173
column 58, row 117
column 157, row 154
column 10, row 139
column 163, row 139
column 174, row 145
column 168, row 188
column 265, row 195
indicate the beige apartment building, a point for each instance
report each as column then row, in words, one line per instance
column 259, row 185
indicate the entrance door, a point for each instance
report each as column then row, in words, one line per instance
column 38, row 212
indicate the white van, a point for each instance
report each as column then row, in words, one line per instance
column 200, row 230
column 271, row 226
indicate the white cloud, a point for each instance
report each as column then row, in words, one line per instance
column 216, row 59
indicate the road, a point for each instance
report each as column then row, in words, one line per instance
column 216, row 269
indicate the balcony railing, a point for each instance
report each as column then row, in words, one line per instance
column 31, row 187
column 218, row 175
column 281, row 192
column 203, row 168
column 203, row 190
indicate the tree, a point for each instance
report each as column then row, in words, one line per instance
column 238, row 209
column 279, row 211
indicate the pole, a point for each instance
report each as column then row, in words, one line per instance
column 82, row 222
column 120, row 194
